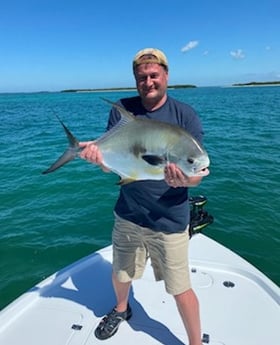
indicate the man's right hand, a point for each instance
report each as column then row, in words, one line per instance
column 92, row 154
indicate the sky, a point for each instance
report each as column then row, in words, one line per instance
column 52, row 45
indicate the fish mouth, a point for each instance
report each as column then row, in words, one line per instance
column 203, row 172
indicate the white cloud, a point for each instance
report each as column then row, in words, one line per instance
column 237, row 54
column 206, row 52
column 189, row 46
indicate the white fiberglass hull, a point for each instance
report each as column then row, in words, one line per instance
column 239, row 305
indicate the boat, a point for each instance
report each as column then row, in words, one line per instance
column 239, row 305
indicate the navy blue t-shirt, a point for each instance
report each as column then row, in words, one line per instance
column 150, row 203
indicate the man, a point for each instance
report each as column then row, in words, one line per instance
column 152, row 212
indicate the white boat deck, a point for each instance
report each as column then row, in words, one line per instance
column 239, row 305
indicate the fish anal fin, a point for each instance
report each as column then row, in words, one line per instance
column 154, row 159
column 126, row 180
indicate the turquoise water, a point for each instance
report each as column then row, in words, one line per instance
column 48, row 221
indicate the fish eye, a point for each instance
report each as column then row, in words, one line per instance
column 190, row 160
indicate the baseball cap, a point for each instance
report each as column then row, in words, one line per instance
column 150, row 55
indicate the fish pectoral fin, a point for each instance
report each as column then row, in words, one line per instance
column 126, row 180
column 154, row 159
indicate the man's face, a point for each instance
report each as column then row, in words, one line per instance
column 151, row 81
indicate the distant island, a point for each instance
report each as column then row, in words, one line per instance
column 179, row 86
column 256, row 83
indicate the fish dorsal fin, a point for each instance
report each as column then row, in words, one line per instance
column 126, row 117
column 125, row 114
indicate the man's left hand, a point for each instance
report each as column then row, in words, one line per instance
column 174, row 177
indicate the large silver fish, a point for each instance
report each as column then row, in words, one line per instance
column 139, row 149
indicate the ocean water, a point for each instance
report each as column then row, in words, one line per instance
column 48, row 221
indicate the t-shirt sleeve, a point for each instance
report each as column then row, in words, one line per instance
column 193, row 125
column 114, row 118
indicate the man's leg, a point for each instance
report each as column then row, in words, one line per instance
column 125, row 262
column 170, row 263
column 122, row 292
column 110, row 323
column 188, row 307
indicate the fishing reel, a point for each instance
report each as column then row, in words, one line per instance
column 199, row 218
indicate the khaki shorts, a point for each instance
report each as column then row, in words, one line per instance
column 133, row 245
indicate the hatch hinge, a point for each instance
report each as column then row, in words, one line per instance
column 205, row 338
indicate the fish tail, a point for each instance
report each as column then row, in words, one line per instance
column 69, row 154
